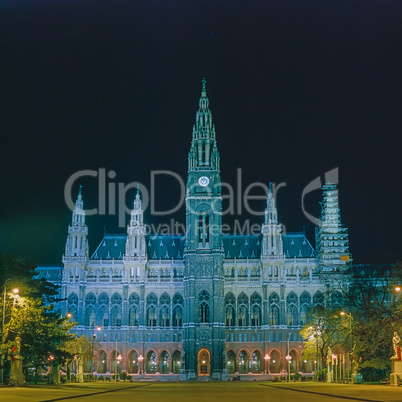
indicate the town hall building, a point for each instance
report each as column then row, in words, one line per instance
column 203, row 305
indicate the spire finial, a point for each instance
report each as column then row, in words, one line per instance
column 138, row 188
column 204, row 81
column 270, row 186
column 79, row 192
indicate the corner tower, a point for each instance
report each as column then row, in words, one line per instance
column 75, row 258
column 333, row 238
column 203, row 335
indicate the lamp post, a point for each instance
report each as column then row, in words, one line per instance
column 140, row 359
column 316, row 357
column 288, row 358
column 93, row 346
column 15, row 291
column 267, row 358
column 351, row 340
column 118, row 359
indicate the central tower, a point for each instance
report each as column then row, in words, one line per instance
column 203, row 337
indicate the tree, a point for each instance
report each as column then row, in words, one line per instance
column 370, row 297
column 32, row 317
column 322, row 332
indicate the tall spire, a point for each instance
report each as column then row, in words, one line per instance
column 271, row 214
column 203, row 151
column 77, row 243
column 272, row 244
column 135, row 243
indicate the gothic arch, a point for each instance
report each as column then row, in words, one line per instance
column 134, row 299
column 242, row 310
column 256, row 362
column 230, row 310
column 242, row 362
column 164, row 362
column 133, row 363
column 176, row 361
column 231, row 362
column 275, row 362
column 151, row 362
column 318, row 299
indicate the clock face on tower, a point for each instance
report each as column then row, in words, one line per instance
column 203, row 181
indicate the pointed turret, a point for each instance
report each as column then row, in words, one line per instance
column 77, row 242
column 135, row 244
column 272, row 245
column 333, row 238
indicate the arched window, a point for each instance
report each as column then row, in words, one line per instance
column 242, row 310
column 273, row 315
column 255, row 316
column 274, row 309
column 292, row 309
column 336, row 299
column 230, row 320
column 104, row 315
column 151, row 316
column 164, row 316
column 203, row 309
column 177, row 316
column 292, row 316
column 318, row 299
column 89, row 316
column 305, row 304
column 256, row 304
column 230, row 312
column 72, row 305
column 133, row 316
column 115, row 316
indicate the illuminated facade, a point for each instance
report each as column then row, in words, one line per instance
column 204, row 305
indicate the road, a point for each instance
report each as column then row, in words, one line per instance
column 202, row 391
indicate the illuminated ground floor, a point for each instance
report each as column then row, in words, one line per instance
column 156, row 359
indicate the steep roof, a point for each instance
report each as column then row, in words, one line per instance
column 297, row 245
column 172, row 247
column 242, row 246
column 111, row 246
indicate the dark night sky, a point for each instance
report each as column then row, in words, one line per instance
column 296, row 88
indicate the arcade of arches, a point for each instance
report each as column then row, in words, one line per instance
column 164, row 362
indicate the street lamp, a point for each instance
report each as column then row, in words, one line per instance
column 317, row 357
column 288, row 358
column 267, row 358
column 98, row 328
column 140, row 359
column 351, row 339
column 15, row 291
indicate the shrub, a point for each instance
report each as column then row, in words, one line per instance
column 295, row 376
column 101, row 378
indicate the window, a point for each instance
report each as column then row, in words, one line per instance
column 203, row 309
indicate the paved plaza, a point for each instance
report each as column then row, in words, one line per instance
column 199, row 391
